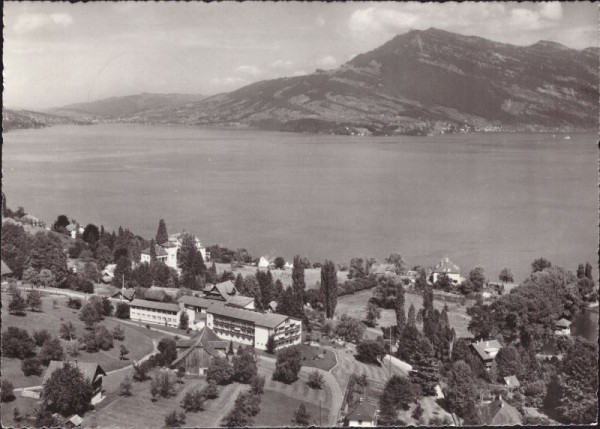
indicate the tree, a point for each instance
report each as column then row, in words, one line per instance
column 6, row 391
column 540, row 264
column 122, row 270
column 123, row 351
column 191, row 261
column 125, row 387
column 34, row 300
column 51, row 350
column 588, row 271
column 279, row 263
column 398, row 394
column 210, row 391
column 349, row 328
column 122, row 310
column 271, row 344
column 46, row 278
column 411, row 316
column 168, row 350
column 47, row 252
column 329, row 287
column 477, row 278
column 161, row 235
column 396, row 259
column 164, row 384
column 193, row 401
column 17, row 304
column 357, row 268
column 370, row 351
column 118, row 333
column 62, row 221
column 443, row 282
column 184, row 321
column 175, row 419
column 315, row 380
column 506, row 275
column 31, row 277
column 288, row 364
column 89, row 315
column 399, row 308
column 91, row 234
column 301, row 416
column 219, row 371
column 16, row 343
column 67, row 331
column 508, row 361
column 140, row 372
column 103, row 338
column 461, row 393
column 31, row 366
column 244, row 367
column 258, row 384
column 237, row 418
column 298, row 283
column 66, row 391
column 41, row 336
column 373, row 314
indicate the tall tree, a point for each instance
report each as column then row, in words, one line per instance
column 192, row 263
column 329, row 287
column 411, row 316
column 398, row 394
column 399, row 308
column 506, row 275
column 47, row 252
column 152, row 250
column 462, row 393
column 67, row 391
column 540, row 264
column 122, row 270
column 91, row 234
column 298, row 283
column 161, row 235
column 396, row 259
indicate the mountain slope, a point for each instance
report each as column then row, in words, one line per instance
column 127, row 106
column 22, row 119
column 427, row 80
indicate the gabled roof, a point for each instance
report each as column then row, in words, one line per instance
column 200, row 302
column 226, row 289
column 76, row 420
column 5, row 270
column 88, row 369
column 207, row 340
column 127, row 293
column 563, row 323
column 500, row 413
column 240, row 300
column 364, row 411
column 268, row 320
column 512, row 381
column 484, row 347
column 160, row 251
column 446, row 266
column 154, row 305
column 273, row 305
column 153, row 294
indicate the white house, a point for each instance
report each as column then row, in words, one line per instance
column 263, row 262
column 177, row 240
column 162, row 313
column 446, row 266
column 166, row 253
column 363, row 415
column 562, row 327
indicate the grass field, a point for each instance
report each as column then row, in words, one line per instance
column 354, row 305
column 137, row 340
column 25, row 406
column 311, row 275
column 277, row 410
column 310, row 359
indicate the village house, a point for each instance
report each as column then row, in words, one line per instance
column 90, row 370
column 446, row 266
column 123, row 294
column 177, row 240
column 512, row 382
column 363, row 415
column 144, row 311
column 195, row 354
column 562, row 327
column 264, row 263
column 108, row 273
column 226, row 291
column 166, row 253
column 499, row 413
column 487, row 351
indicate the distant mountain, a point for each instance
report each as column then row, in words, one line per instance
column 21, row 119
column 418, row 82
column 125, row 107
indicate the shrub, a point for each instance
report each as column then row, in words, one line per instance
column 175, row 419
column 140, row 372
column 288, row 365
column 244, row 367
column 6, row 391
column 17, row 343
column 31, row 366
column 118, row 333
column 220, row 371
column 193, row 401
column 211, row 391
column 315, row 380
column 125, row 387
column 51, row 350
column 74, row 303
column 40, row 337
column 258, row 384
column 104, row 338
column 122, row 311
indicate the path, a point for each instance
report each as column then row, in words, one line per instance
column 152, row 328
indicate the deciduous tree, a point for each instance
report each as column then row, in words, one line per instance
column 89, row 315
column 349, row 328
column 17, row 304
column 51, row 350
column 301, row 416
column 288, row 364
column 369, row 351
column 540, row 264
column 219, row 371
column 67, row 391
column 16, row 343
column 506, row 275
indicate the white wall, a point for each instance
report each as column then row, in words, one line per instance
column 154, row 316
column 261, row 336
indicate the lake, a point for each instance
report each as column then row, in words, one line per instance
column 493, row 200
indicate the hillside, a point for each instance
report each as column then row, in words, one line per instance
column 21, row 119
column 125, row 107
column 419, row 82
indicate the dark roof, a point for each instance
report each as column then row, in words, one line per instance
column 563, row 323
column 127, row 293
column 153, row 294
column 154, row 305
column 268, row 320
column 500, row 413
column 5, row 270
column 88, row 369
column 207, row 340
column 226, row 289
column 159, row 251
column 364, row 411
column 199, row 302
column 483, row 347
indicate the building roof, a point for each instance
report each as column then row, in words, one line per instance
column 88, row 369
column 71, row 227
column 273, row 305
column 512, row 381
column 127, row 293
column 200, row 302
column 364, row 411
column 154, row 305
column 268, row 320
column 5, row 270
column 485, row 349
column 226, row 289
column 500, row 413
column 446, row 266
column 240, row 300
column 154, row 294
column 563, row 323
column 76, row 420
column 207, row 340
column 160, row 251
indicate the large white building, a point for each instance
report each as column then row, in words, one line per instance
column 162, row 313
column 177, row 240
column 446, row 266
column 242, row 325
column 166, row 253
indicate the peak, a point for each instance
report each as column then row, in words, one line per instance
column 547, row 44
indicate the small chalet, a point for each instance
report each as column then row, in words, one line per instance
column 227, row 292
column 487, row 351
column 562, row 327
column 74, row 421
column 446, row 266
column 512, row 382
column 363, row 415
column 91, row 371
column 124, row 294
column 195, row 354
column 263, row 262
column 272, row 306
column 108, row 273
column 499, row 413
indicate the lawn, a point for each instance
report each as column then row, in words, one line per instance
column 277, row 410
column 25, row 406
column 354, row 305
column 137, row 340
column 311, row 275
column 310, row 357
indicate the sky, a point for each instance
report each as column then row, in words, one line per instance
column 56, row 53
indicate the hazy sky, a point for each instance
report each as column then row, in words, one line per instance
column 59, row 53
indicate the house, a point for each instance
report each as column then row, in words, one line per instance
column 363, row 415
column 194, row 355
column 124, row 294
column 499, row 413
column 487, row 351
column 227, row 292
column 162, row 313
column 154, row 294
column 242, row 325
column 383, row 269
column 108, row 273
column 562, row 327
column 90, row 370
column 263, row 262
column 512, row 382
column 288, row 266
column 166, row 253
column 177, row 240
column 273, row 306
column 74, row 421
column 446, row 266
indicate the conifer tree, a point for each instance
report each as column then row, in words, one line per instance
column 399, row 308
column 329, row 287
column 161, row 235
column 411, row 316
column 298, row 283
